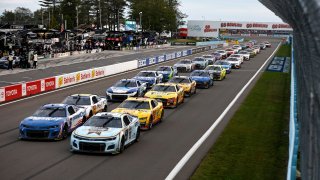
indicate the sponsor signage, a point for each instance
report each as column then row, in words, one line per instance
column 49, row 84
column 203, row 28
column 33, row 87
column 66, row 80
column 142, row 63
column 98, row 72
column 161, row 59
column 83, row 76
column 183, row 32
column 2, row 94
column 13, row 92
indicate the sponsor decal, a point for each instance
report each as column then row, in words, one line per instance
column 231, row 25
column 282, row 26
column 97, row 131
column 178, row 54
column 257, row 25
column 194, row 28
column 152, row 61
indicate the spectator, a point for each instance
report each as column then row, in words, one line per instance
column 35, row 60
column 10, row 59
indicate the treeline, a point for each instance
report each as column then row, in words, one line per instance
column 156, row 15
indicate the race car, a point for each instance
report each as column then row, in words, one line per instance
column 52, row 122
column 149, row 111
column 217, row 56
column 91, row 103
column 252, row 52
column 226, row 65
column 171, row 95
column 149, row 77
column 125, row 88
column 262, row 46
column 185, row 65
column 246, row 55
column 237, row 47
column 268, row 45
column 184, row 82
column 209, row 58
column 202, row 78
column 230, row 51
column 200, row 62
column 235, row 62
column 223, row 53
column 217, row 72
column 106, row 133
column 167, row 72
column 238, row 56
column 257, row 48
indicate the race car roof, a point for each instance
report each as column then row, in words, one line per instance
column 109, row 114
column 55, row 106
column 138, row 99
column 82, row 95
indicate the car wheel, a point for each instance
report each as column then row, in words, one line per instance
column 195, row 90
column 176, row 103
column 150, row 125
column 161, row 117
column 211, row 83
column 65, row 132
column 137, row 135
column 105, row 109
column 84, row 119
column 207, row 86
column 121, row 148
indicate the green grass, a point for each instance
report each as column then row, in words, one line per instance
column 284, row 51
column 254, row 145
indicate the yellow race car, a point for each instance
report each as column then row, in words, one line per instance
column 149, row 111
column 184, row 82
column 171, row 95
column 217, row 72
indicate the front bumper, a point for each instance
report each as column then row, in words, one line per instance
column 89, row 145
column 40, row 133
column 201, row 84
column 119, row 97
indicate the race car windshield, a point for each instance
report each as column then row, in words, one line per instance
column 135, row 105
column 50, row 112
column 104, row 121
column 207, row 56
column 232, row 59
column 162, row 88
column 147, row 74
column 199, row 73
column 77, row 100
column 220, row 51
column 215, row 68
column 184, row 62
column 179, row 80
column 163, row 69
column 199, row 59
column 126, row 84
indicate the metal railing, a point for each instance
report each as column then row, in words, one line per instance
column 294, row 126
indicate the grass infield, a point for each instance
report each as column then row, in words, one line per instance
column 254, row 145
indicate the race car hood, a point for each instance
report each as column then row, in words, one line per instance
column 164, row 72
column 42, row 121
column 200, row 78
column 214, row 71
column 157, row 94
column 182, row 65
column 134, row 112
column 96, row 132
column 123, row 89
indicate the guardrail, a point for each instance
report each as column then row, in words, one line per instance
column 294, row 126
column 21, row 90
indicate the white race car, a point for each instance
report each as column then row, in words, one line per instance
column 106, row 133
column 92, row 103
column 185, row 65
column 245, row 54
column 235, row 62
column 238, row 56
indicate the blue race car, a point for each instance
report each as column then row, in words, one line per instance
column 52, row 122
column 149, row 77
column 202, row 78
column 126, row 88
column 226, row 65
column 167, row 72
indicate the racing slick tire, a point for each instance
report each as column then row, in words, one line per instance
column 150, row 125
column 176, row 103
column 105, row 109
column 161, row 118
column 84, row 119
column 137, row 135
column 90, row 114
column 121, row 148
column 64, row 132
column 207, row 86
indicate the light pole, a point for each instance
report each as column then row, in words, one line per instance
column 140, row 15
column 100, row 14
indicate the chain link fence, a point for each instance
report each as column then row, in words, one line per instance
column 304, row 17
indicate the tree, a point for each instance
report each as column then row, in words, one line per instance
column 7, row 17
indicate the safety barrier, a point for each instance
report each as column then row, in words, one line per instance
column 294, row 126
column 20, row 90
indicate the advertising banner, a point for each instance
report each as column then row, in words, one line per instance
column 2, row 94
column 178, row 54
column 49, row 84
column 13, row 92
column 66, row 80
column 142, row 63
column 161, row 59
column 203, row 28
column 82, row 76
column 33, row 87
column 98, row 72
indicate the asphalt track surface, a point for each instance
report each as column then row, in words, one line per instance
column 81, row 62
column 158, row 151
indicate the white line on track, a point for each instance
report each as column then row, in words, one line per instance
column 107, row 77
column 204, row 137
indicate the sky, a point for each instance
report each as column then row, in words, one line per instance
column 215, row 10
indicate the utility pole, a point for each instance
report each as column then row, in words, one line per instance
column 118, row 21
column 100, row 13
